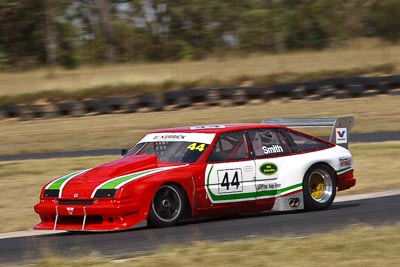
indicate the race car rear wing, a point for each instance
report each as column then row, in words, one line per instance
column 341, row 126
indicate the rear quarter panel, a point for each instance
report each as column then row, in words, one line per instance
column 295, row 166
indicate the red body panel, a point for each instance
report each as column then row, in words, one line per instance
column 346, row 180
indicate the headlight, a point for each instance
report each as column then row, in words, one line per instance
column 51, row 193
column 105, row 193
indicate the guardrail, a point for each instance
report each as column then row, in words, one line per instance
column 338, row 87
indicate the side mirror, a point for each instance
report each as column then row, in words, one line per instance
column 124, row 151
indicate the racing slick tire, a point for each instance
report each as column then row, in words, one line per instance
column 167, row 207
column 319, row 187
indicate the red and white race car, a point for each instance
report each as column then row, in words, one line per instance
column 204, row 171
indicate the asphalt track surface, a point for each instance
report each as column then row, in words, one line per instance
column 357, row 137
column 373, row 211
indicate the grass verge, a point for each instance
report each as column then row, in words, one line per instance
column 106, row 90
column 372, row 114
column 261, row 69
column 24, row 179
column 356, row 246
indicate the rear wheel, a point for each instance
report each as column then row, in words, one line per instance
column 167, row 206
column 319, row 187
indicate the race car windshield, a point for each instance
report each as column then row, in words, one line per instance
column 185, row 152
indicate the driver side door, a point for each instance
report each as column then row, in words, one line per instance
column 230, row 173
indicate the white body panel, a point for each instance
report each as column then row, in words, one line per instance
column 282, row 179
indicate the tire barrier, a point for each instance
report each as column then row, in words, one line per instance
column 355, row 90
column 145, row 100
column 268, row 96
column 239, row 97
column 183, row 102
column 227, row 93
column 172, row 97
column 326, row 90
column 284, row 90
column 298, row 93
column 254, row 92
column 39, row 111
column 114, row 103
column 186, row 97
column 12, row 111
column 213, row 98
column 91, row 105
column 150, row 102
column 198, row 95
column 70, row 108
column 338, row 87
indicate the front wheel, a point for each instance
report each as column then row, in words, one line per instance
column 167, row 206
column 319, row 187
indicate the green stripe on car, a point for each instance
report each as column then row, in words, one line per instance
column 340, row 171
column 56, row 185
column 113, row 183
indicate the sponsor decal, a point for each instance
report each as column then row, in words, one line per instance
column 213, row 126
column 268, row 186
column 195, row 146
column 272, row 149
column 248, row 168
column 268, row 168
column 341, row 135
column 294, row 202
column 169, row 137
column 345, row 162
column 70, row 210
column 205, row 138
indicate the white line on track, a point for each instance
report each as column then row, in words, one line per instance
column 345, row 198
column 30, row 232
column 367, row 195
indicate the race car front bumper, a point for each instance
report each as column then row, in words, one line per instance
column 87, row 215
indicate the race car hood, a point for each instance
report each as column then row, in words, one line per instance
column 110, row 176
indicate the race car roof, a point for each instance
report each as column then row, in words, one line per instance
column 217, row 128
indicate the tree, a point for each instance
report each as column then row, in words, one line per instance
column 104, row 11
column 385, row 15
column 50, row 32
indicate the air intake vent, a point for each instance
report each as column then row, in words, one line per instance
column 75, row 202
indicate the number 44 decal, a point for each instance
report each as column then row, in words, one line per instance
column 230, row 181
column 195, row 146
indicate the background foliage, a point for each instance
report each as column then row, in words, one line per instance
column 74, row 32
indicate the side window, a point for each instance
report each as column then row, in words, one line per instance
column 306, row 143
column 269, row 142
column 229, row 146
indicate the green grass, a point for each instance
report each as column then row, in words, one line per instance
column 355, row 246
